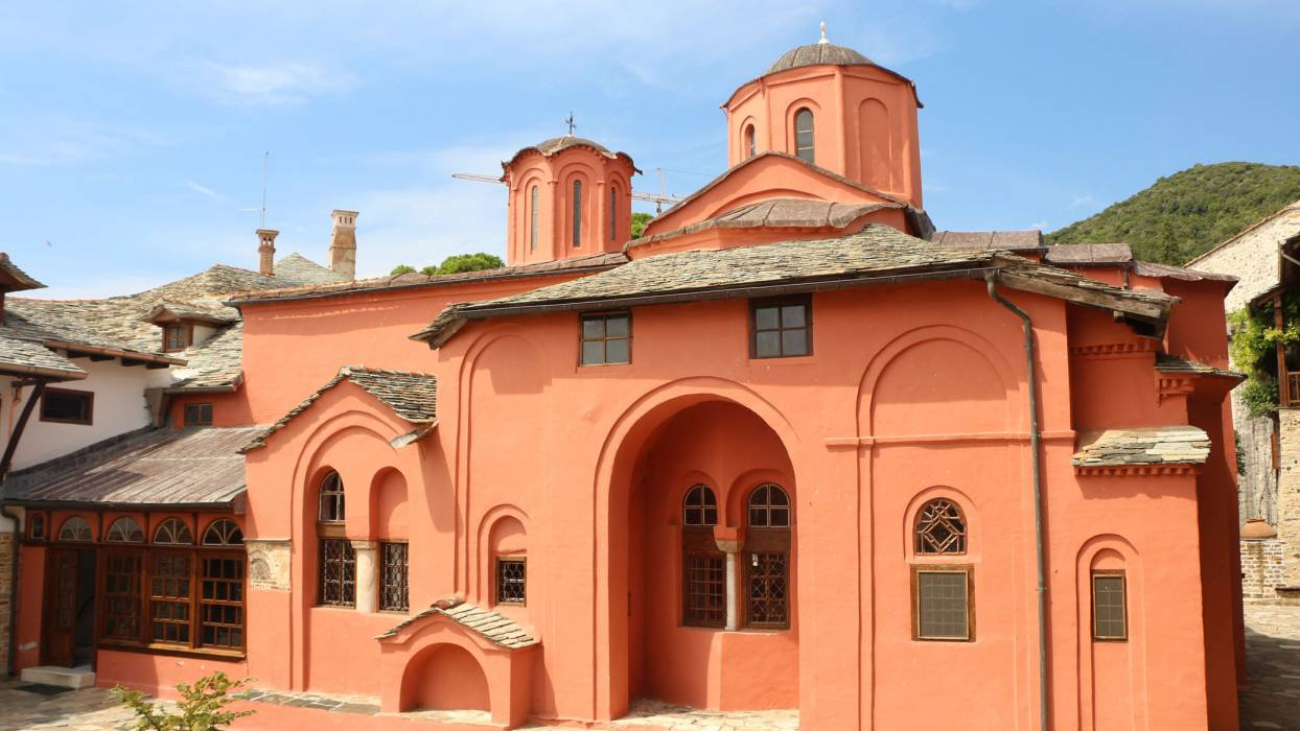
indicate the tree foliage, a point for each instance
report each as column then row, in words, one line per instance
column 203, row 706
column 454, row 264
column 1183, row 215
column 639, row 222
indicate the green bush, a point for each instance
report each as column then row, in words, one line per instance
column 401, row 269
column 202, row 706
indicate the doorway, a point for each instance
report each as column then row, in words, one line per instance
column 69, row 623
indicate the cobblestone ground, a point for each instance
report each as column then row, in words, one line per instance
column 1272, row 701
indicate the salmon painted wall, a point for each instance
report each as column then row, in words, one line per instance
column 554, row 178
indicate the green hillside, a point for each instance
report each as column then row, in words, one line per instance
column 1186, row 213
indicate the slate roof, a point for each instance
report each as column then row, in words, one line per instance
column 1083, row 254
column 208, row 312
column 776, row 213
column 818, row 54
column 412, row 396
column 215, row 365
column 1173, row 364
column 1031, row 240
column 496, row 628
column 1151, row 446
column 1151, row 269
column 154, row 467
column 878, row 252
column 28, row 357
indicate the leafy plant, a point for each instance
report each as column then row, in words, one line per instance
column 1254, row 344
column 639, row 222
column 203, row 706
column 401, row 269
column 454, row 264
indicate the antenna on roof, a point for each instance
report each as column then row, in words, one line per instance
column 569, row 122
column 823, row 40
column 266, row 157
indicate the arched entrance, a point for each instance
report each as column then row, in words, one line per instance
column 702, row 589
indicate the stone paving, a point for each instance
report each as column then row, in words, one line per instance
column 1272, row 702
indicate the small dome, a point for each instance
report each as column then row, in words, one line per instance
column 1257, row 530
column 555, row 144
column 819, row 54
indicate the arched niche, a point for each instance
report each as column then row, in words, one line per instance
column 876, row 144
column 445, row 677
column 390, row 512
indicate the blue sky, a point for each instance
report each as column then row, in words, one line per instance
column 132, row 133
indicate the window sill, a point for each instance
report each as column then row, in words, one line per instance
column 169, row 650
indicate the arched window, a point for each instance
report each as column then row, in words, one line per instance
column 577, row 213
column 223, row 532
column 75, row 529
column 940, row 529
column 173, row 532
column 751, row 146
column 124, row 530
column 532, row 219
column 803, row 134
column 613, row 212
column 767, row 558
column 332, row 507
column 704, row 567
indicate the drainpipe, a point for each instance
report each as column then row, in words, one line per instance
column 1035, row 443
column 12, row 660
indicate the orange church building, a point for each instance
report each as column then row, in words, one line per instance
column 791, row 450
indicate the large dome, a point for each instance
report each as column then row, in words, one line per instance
column 819, row 54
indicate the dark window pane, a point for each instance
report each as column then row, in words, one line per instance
column 593, row 353
column 593, row 328
column 705, row 590
column 394, row 582
column 767, row 588
column 616, row 351
column 942, row 605
column 71, row 407
column 616, row 326
column 940, row 528
column 511, row 581
column 768, row 344
column 792, row 316
column 767, row 318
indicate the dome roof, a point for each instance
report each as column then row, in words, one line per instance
column 819, row 54
column 555, row 145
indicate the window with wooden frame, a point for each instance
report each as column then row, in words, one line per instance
column 940, row 529
column 76, row 530
column 123, row 598
column 780, row 328
column 221, row 601
column 767, row 558
column 704, row 567
column 606, row 338
column 171, row 598
column 37, row 526
column 332, row 508
column 223, row 532
column 943, row 603
column 198, row 414
column 1109, row 606
column 173, row 532
column 177, row 336
column 66, row 406
column 338, row 573
column 394, row 577
column 512, row 580
column 532, row 219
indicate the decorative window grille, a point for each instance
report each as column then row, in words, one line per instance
column 512, row 579
column 767, row 558
column 223, row 532
column 221, row 602
column 781, row 328
column 706, row 588
column 577, row 213
column 332, row 506
column 768, row 581
column 940, row 529
column 198, row 414
column 606, row 338
column 338, row 573
column 170, row 598
column 75, row 530
column 1109, row 614
column 173, row 532
column 942, row 604
column 394, row 590
column 122, row 596
column 124, row 530
column 803, row 135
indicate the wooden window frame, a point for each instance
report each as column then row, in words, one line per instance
column 1092, row 588
column 140, row 557
column 186, row 331
column 126, row 539
column 349, row 557
column 497, row 581
column 959, row 532
column 768, row 539
column 698, row 543
column 198, row 407
column 779, row 302
column 969, row 571
column 404, row 587
column 604, row 339
column 88, row 396
column 238, row 560
column 177, row 534
column 340, row 503
column 58, row 537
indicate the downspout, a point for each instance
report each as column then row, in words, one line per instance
column 1035, row 443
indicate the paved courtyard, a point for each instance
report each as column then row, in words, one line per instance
column 1272, row 702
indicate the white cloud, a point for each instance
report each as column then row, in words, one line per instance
column 1038, row 226
column 272, row 84
column 1083, row 200
column 59, row 140
column 204, row 190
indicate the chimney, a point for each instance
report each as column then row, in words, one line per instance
column 266, row 251
column 343, row 244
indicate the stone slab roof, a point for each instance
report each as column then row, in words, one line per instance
column 1151, row 269
column 1173, row 364
column 215, row 365
column 496, row 628
column 210, row 312
column 876, row 253
column 1030, row 240
column 21, row 356
column 1150, row 446
column 1082, row 254
column 556, row 145
column 22, row 279
column 152, row 467
column 412, row 396
column 776, row 213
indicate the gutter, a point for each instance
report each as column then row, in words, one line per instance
column 114, row 352
column 1035, row 443
column 51, row 373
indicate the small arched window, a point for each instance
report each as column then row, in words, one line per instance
column 940, row 529
column 332, row 507
column 223, row 532
column 577, row 213
column 124, row 530
column 769, row 507
column 803, row 134
column 751, row 146
column 173, row 532
column 532, row 219
column 700, row 507
column 75, row 529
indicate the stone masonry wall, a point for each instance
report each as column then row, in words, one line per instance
column 1288, row 494
column 1261, row 569
column 1257, row 484
column 8, row 564
column 1252, row 257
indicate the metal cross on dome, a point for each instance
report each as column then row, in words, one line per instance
column 569, row 122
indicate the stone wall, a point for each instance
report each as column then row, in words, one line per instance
column 1252, row 257
column 8, row 564
column 1288, row 494
column 1261, row 569
column 1257, row 483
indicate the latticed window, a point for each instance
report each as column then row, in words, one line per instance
column 803, row 135
column 1109, row 616
column 176, row 337
column 512, row 581
column 173, row 532
column 704, row 567
column 122, row 599
column 780, row 328
column 169, row 598
column 606, row 338
column 940, row 529
column 767, row 558
column 338, row 573
column 124, row 530
column 221, row 602
column 768, row 583
column 332, row 506
column 942, row 605
column 223, row 532
column 394, row 575
column 198, row 414
column 75, row 529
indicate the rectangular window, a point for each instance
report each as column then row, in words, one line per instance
column 780, row 328
column 122, row 572
column 175, row 337
column 65, row 406
column 1109, row 617
column 169, row 598
column 512, row 579
column 705, row 592
column 198, row 414
column 606, row 338
column 394, row 590
column 221, row 602
column 942, row 603
column 338, row 573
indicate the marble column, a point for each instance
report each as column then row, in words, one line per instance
column 367, row 575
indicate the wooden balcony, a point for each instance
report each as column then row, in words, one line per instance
column 1291, row 397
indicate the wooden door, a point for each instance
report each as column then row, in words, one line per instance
column 60, row 625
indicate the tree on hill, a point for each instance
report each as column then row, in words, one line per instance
column 454, row 264
column 1187, row 213
column 639, row 221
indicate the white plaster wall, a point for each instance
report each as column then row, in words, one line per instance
column 1252, row 257
column 119, row 407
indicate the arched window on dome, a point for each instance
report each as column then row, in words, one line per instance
column 532, row 219
column 704, row 567
column 577, row 213
column 751, row 146
column 803, row 135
